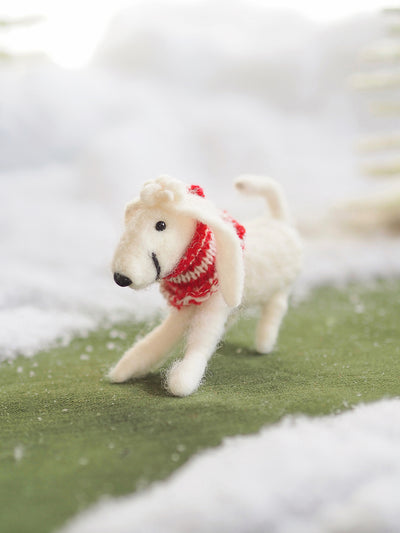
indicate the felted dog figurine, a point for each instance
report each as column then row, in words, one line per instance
column 207, row 265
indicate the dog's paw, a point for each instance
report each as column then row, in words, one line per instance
column 127, row 369
column 265, row 348
column 118, row 375
column 265, row 341
column 185, row 376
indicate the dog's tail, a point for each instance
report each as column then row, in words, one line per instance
column 269, row 189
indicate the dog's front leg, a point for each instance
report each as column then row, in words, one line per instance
column 149, row 351
column 206, row 329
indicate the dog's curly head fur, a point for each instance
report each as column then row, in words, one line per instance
column 163, row 190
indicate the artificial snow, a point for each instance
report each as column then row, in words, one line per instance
column 18, row 453
column 334, row 474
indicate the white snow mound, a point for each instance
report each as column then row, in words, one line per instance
column 324, row 475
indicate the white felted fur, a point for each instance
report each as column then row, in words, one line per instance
column 261, row 275
column 206, row 329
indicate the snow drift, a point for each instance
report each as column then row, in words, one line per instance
column 324, row 475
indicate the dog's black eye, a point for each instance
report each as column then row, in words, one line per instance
column 161, row 225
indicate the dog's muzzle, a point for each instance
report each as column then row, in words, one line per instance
column 121, row 280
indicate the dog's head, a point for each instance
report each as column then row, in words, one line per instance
column 159, row 226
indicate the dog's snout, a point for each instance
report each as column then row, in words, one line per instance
column 121, row 280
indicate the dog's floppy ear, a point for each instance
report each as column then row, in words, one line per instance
column 229, row 257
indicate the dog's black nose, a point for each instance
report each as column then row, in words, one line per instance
column 122, row 281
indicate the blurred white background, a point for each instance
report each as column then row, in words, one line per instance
column 89, row 20
column 97, row 97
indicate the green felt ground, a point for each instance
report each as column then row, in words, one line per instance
column 69, row 437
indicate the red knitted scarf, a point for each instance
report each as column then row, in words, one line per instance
column 194, row 279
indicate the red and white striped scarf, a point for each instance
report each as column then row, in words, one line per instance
column 195, row 279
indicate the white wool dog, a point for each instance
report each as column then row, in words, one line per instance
column 160, row 229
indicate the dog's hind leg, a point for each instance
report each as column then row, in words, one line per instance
column 272, row 314
column 153, row 348
column 206, row 330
